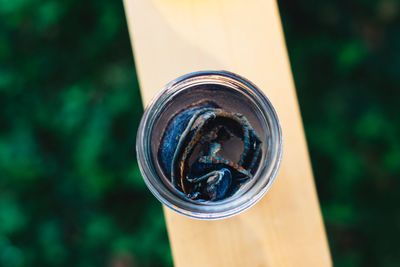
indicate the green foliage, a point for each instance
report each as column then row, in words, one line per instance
column 346, row 62
column 71, row 193
column 70, row 190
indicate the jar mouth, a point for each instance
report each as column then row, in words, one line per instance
column 251, row 100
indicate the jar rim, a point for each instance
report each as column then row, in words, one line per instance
column 266, row 174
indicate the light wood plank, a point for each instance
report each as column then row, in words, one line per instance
column 174, row 37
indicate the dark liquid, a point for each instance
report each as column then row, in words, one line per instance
column 227, row 99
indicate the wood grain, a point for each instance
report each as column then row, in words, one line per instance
column 174, row 37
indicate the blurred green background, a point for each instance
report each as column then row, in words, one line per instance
column 70, row 190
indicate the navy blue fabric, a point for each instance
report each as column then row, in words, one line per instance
column 228, row 186
column 219, row 190
column 205, row 181
column 172, row 134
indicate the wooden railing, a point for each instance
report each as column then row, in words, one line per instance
column 174, row 37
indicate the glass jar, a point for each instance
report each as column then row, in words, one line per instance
column 232, row 93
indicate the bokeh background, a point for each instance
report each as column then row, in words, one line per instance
column 70, row 190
